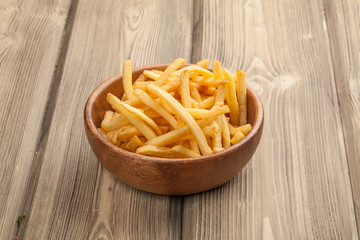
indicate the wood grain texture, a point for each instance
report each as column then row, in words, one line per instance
column 297, row 184
column 26, row 73
column 75, row 198
column 343, row 18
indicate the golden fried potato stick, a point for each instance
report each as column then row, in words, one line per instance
column 220, row 96
column 207, row 102
column 231, row 99
column 157, row 151
column 147, row 100
column 134, row 143
column 139, row 124
column 177, row 134
column 152, row 75
column 184, row 115
column 203, row 63
column 237, row 137
column 241, row 95
column 170, row 69
column 184, row 151
column 193, row 145
column 121, row 121
column 245, row 129
column 141, row 78
column 195, row 69
column 103, row 133
column 240, row 133
column 110, row 134
column 195, row 94
column 141, row 85
column 204, row 113
column 225, row 132
column 125, row 133
column 185, row 89
column 218, row 71
column 107, row 117
column 142, row 116
column 216, row 141
column 127, row 80
column 116, row 115
column 210, row 82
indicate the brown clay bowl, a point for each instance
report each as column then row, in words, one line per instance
column 165, row 175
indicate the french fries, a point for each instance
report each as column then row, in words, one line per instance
column 181, row 112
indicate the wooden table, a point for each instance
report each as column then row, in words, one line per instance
column 301, row 57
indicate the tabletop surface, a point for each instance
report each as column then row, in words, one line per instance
column 301, row 57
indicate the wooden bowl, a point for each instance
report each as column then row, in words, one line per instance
column 165, row 175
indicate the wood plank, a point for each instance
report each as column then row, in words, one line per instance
column 297, row 185
column 30, row 39
column 75, row 197
column 343, row 19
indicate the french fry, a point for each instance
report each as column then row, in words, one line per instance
column 203, row 63
column 245, row 129
column 125, row 133
column 103, row 133
column 241, row 95
column 115, row 123
column 139, row 124
column 231, row 99
column 184, row 115
column 141, row 85
column 194, row 68
column 225, row 132
column 237, row 137
column 204, row 113
column 184, row 152
column 220, row 96
column 193, row 145
column 116, row 115
column 152, row 75
column 157, row 151
column 107, row 117
column 207, row 103
column 195, row 94
column 170, row 69
column 142, row 116
column 185, row 89
column 134, row 143
column 127, row 80
column 218, row 71
column 110, row 134
column 152, row 114
column 175, row 135
column 141, row 78
column 147, row 100
column 216, row 142
column 209, row 131
column 211, row 82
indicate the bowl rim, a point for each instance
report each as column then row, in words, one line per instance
column 93, row 129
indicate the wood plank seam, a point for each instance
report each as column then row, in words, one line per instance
column 334, row 44
column 38, row 157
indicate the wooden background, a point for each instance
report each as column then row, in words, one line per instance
column 301, row 57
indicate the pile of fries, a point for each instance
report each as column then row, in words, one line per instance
column 181, row 112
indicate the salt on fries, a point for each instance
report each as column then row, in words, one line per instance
column 181, row 112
